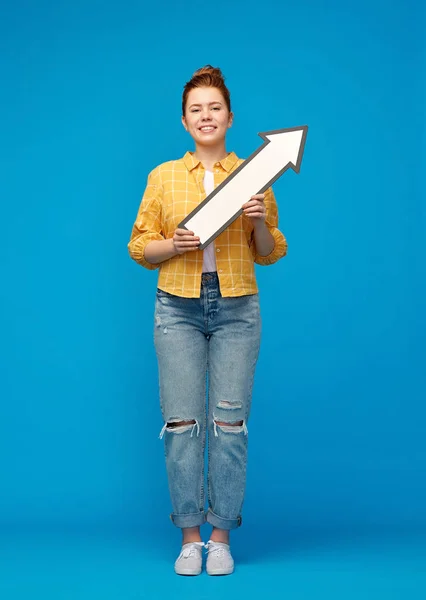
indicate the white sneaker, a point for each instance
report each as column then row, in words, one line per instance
column 219, row 559
column 189, row 561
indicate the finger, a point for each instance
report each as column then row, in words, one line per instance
column 260, row 197
column 181, row 231
column 187, row 249
column 256, row 200
column 256, row 215
column 187, row 243
column 186, row 238
column 255, row 209
column 251, row 203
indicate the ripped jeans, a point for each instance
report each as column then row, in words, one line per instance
column 203, row 341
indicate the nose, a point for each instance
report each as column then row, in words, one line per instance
column 205, row 115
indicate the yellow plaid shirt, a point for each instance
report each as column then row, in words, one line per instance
column 173, row 190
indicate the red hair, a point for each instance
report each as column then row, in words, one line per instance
column 207, row 76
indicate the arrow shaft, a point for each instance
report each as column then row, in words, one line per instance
column 229, row 200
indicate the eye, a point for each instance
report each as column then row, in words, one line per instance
column 195, row 110
column 216, row 107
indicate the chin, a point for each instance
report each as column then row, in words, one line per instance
column 214, row 141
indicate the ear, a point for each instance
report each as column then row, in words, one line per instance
column 230, row 119
column 184, row 123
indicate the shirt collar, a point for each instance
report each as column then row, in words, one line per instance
column 226, row 163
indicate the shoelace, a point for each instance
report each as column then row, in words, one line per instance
column 214, row 549
column 190, row 550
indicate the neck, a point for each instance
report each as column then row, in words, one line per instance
column 210, row 156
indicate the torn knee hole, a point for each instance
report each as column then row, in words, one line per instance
column 235, row 427
column 174, row 424
column 177, row 426
column 228, row 404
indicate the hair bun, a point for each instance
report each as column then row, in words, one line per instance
column 209, row 70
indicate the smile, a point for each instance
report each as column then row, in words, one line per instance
column 207, row 129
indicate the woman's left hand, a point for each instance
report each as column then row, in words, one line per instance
column 255, row 209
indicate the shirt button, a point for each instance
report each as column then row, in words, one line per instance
column 220, row 270
column 217, row 249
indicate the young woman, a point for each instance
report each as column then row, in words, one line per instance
column 207, row 324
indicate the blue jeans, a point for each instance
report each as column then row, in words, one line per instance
column 203, row 341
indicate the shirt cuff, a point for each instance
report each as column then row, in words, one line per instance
column 279, row 250
column 137, row 250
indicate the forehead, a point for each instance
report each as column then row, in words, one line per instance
column 205, row 95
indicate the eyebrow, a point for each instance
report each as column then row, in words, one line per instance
column 210, row 103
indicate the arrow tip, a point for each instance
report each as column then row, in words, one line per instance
column 292, row 140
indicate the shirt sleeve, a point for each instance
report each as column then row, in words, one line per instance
column 148, row 224
column 271, row 221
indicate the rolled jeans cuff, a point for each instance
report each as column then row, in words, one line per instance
column 222, row 523
column 189, row 520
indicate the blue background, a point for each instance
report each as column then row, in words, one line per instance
column 90, row 103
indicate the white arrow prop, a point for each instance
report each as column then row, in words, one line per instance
column 283, row 148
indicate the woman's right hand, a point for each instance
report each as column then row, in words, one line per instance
column 185, row 241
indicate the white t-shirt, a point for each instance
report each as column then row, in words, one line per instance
column 209, row 257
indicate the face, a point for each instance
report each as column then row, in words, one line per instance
column 207, row 117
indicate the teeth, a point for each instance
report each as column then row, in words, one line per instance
column 207, row 128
